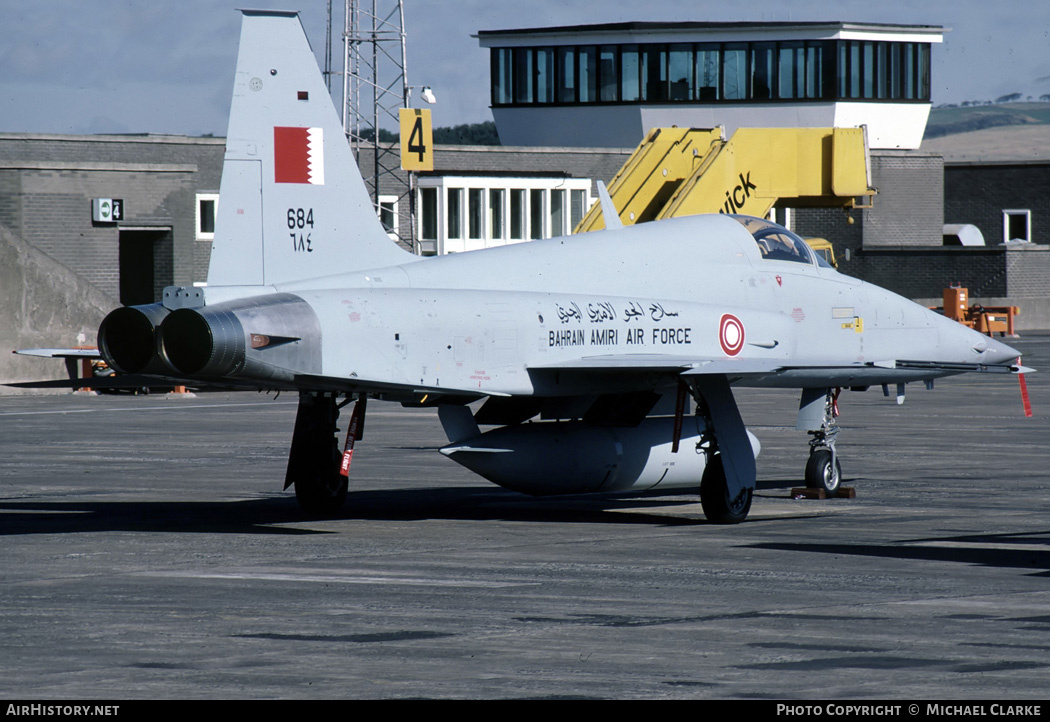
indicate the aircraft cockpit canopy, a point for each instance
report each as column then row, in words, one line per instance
column 777, row 243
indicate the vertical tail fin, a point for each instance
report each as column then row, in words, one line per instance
column 292, row 203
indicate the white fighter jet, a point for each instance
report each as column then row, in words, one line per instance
column 583, row 352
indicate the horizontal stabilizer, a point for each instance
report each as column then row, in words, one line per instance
column 130, row 382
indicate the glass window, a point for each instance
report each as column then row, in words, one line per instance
column 566, row 75
column 517, row 214
column 679, row 73
column 608, row 75
column 630, row 89
column 923, row 70
column 545, row 75
column 1017, row 225
column 842, row 83
column 909, row 71
column 762, row 77
column 428, row 222
column 881, row 75
column 791, row 70
column 502, row 76
column 654, row 73
column 496, row 212
column 734, row 72
column 577, row 207
column 707, row 72
column 786, row 71
column 536, row 213
column 820, row 70
column 206, row 206
column 523, row 60
column 454, row 212
column 557, row 212
column 869, row 69
column 388, row 214
column 855, row 69
column 588, row 60
column 896, row 71
column 475, row 212
column 813, row 72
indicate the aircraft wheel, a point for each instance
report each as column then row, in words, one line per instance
column 320, row 489
column 714, row 496
column 820, row 474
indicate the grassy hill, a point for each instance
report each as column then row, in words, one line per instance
column 950, row 121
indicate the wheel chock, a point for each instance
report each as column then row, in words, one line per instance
column 804, row 492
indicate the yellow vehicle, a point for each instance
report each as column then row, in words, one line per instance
column 823, row 248
column 687, row 171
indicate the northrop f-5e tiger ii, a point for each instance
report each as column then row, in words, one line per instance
column 586, row 353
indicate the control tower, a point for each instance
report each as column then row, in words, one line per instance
column 607, row 85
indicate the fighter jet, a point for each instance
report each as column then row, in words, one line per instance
column 605, row 361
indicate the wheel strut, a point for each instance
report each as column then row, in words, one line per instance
column 823, row 470
column 313, row 462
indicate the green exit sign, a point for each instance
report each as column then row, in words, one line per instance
column 107, row 210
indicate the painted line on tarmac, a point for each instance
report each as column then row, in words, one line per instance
column 338, row 579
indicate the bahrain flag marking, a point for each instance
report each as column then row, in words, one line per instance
column 298, row 155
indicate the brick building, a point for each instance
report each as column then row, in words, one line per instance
column 49, row 182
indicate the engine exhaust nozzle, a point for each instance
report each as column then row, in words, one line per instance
column 204, row 343
column 127, row 338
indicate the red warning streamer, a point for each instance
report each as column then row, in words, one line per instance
column 353, row 433
column 1024, row 393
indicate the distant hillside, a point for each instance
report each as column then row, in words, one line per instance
column 466, row 134
column 950, row 121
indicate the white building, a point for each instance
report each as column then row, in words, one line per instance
column 607, row 85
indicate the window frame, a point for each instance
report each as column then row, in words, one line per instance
column 633, row 73
column 198, row 214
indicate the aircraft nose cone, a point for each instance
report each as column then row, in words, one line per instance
column 991, row 351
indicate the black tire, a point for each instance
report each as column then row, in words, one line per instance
column 714, row 496
column 319, row 488
column 821, row 475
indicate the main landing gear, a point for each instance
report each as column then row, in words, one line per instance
column 718, row 507
column 823, row 470
column 726, row 443
column 313, row 463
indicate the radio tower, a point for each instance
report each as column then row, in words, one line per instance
column 375, row 87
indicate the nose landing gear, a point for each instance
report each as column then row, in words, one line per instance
column 823, row 470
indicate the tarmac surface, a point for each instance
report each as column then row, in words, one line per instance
column 149, row 553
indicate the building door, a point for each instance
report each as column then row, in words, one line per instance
column 145, row 265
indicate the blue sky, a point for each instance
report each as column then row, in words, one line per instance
column 91, row 66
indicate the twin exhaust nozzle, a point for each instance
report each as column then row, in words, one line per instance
column 264, row 338
column 185, row 342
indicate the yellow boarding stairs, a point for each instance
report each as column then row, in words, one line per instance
column 685, row 171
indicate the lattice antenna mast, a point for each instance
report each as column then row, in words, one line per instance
column 328, row 50
column 375, row 87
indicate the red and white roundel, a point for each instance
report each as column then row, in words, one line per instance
column 731, row 334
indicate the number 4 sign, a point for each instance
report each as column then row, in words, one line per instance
column 417, row 141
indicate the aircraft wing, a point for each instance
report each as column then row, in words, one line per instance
column 791, row 373
column 315, row 382
column 90, row 353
